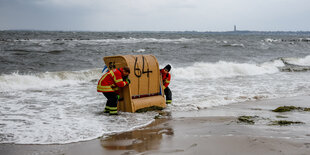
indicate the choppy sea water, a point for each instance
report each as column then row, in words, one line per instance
column 48, row 79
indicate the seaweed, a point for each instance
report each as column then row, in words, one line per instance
column 285, row 109
column 306, row 109
column 285, row 122
column 162, row 114
column 152, row 108
column 157, row 117
column 290, row 108
column 247, row 119
column 279, row 116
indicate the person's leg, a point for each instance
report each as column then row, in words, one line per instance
column 113, row 104
column 168, row 95
column 110, row 99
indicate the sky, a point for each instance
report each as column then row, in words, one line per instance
column 155, row 15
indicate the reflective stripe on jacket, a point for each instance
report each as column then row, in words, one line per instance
column 111, row 81
column 166, row 78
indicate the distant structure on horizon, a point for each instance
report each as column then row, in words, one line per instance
column 235, row 28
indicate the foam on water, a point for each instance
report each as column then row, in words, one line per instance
column 202, row 70
column 299, row 61
column 272, row 40
column 61, row 115
column 195, row 94
column 58, row 107
column 16, row 81
column 204, row 85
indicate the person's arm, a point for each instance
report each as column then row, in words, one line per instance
column 167, row 81
column 117, row 76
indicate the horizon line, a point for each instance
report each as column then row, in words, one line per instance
column 196, row 31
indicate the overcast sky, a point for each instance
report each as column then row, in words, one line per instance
column 155, row 15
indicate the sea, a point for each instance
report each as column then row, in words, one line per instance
column 48, row 79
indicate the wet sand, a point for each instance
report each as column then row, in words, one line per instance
column 210, row 131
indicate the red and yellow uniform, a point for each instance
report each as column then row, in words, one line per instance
column 166, row 78
column 111, row 81
column 109, row 85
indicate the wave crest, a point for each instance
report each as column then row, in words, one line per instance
column 202, row 70
column 16, row 81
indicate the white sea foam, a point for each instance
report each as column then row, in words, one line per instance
column 140, row 51
column 204, row 85
column 121, row 40
column 136, row 40
column 16, row 81
column 61, row 115
column 195, row 94
column 202, row 70
column 272, row 40
column 58, row 107
column 234, row 45
column 299, row 61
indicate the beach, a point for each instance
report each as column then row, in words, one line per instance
column 215, row 130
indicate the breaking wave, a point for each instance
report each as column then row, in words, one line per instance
column 137, row 40
column 202, row 70
column 233, row 45
column 120, row 40
column 296, row 64
column 270, row 40
column 198, row 70
column 16, row 81
column 222, row 69
column 298, row 61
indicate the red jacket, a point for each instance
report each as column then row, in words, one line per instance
column 111, row 81
column 166, row 78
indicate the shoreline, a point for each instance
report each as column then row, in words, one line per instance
column 213, row 131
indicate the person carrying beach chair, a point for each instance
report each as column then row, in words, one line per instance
column 109, row 85
column 166, row 81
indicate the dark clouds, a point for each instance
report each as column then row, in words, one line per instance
column 126, row 15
